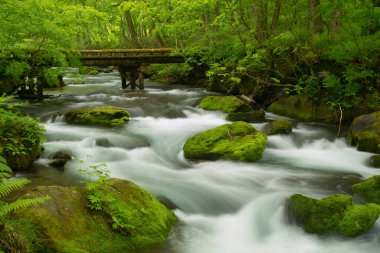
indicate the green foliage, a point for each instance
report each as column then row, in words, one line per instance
column 20, row 138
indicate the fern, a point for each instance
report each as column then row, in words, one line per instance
column 20, row 204
column 7, row 187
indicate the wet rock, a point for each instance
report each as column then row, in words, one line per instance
column 102, row 115
column 334, row 214
column 301, row 107
column 66, row 223
column 251, row 116
column 103, row 142
column 374, row 161
column 365, row 133
column 282, row 126
column 369, row 189
column 236, row 141
column 60, row 159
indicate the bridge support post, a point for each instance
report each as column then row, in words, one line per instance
column 134, row 76
column 141, row 79
column 123, row 76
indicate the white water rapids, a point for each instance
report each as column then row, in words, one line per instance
column 221, row 206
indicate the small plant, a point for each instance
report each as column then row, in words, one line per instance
column 100, row 199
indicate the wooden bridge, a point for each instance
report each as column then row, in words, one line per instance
column 130, row 61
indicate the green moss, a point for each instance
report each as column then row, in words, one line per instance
column 226, row 104
column 251, row 116
column 236, row 141
column 300, row 107
column 369, row 189
column 358, row 219
column 365, row 133
column 103, row 115
column 66, row 224
column 334, row 214
column 282, row 126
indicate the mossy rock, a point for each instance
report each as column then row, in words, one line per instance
column 251, row 116
column 369, row 189
column 227, row 104
column 66, row 224
column 365, row 132
column 282, row 126
column 237, row 141
column 334, row 214
column 102, row 115
column 374, row 161
column 300, row 107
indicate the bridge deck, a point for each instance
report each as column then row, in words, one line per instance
column 129, row 57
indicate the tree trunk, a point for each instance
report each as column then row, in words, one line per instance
column 261, row 13
column 132, row 29
column 276, row 15
column 315, row 19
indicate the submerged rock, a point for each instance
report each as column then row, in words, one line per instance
column 251, row 116
column 102, row 115
column 227, row 104
column 282, row 126
column 236, row 141
column 301, row 107
column 66, row 224
column 103, row 142
column 334, row 214
column 369, row 189
column 365, row 132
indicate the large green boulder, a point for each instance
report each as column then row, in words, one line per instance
column 282, row 126
column 301, row 107
column 227, row 104
column 66, row 223
column 369, row 189
column 333, row 214
column 237, row 141
column 102, row 115
column 365, row 132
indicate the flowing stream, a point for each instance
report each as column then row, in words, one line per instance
column 222, row 206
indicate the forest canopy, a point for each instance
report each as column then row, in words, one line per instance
column 326, row 49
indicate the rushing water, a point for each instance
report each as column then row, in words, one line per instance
column 222, row 206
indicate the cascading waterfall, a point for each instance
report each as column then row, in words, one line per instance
column 222, row 206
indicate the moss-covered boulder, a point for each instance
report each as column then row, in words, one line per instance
column 102, row 115
column 302, row 108
column 282, row 126
column 334, row 214
column 369, row 189
column 236, row 141
column 374, row 161
column 251, row 116
column 227, row 104
column 365, row 132
column 66, row 224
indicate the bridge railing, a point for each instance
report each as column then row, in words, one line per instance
column 125, row 53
